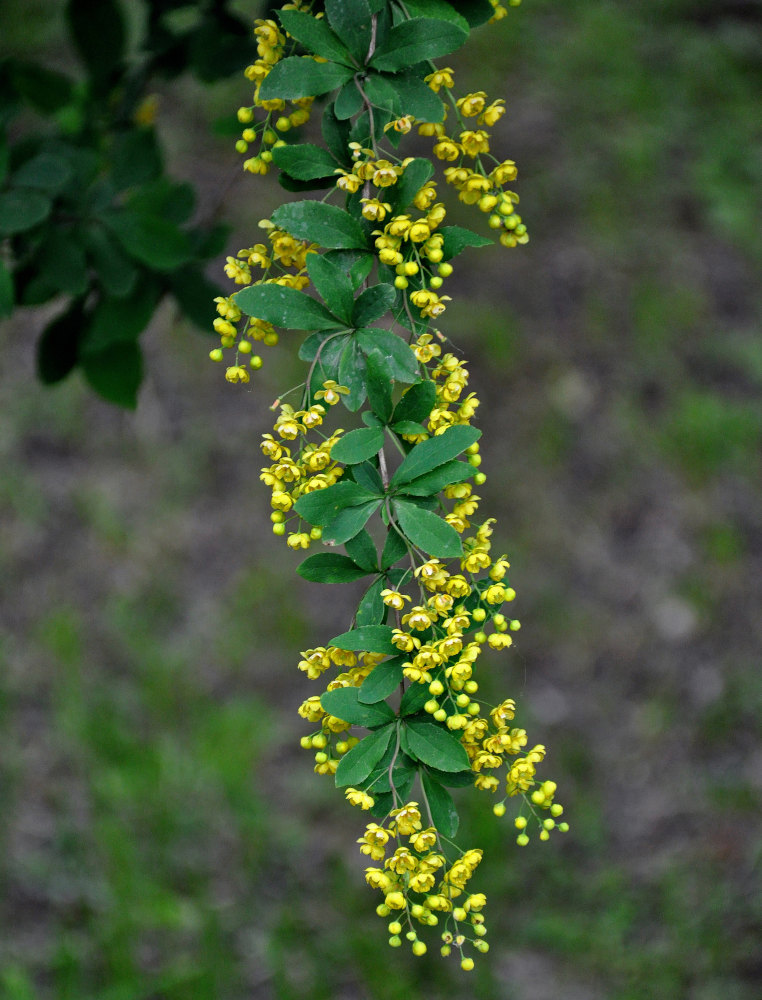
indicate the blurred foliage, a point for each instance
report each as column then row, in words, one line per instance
column 87, row 210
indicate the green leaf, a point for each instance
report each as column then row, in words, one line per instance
column 372, row 304
column 284, row 306
column 21, row 210
column 343, row 703
column 332, row 285
column 432, row 482
column 415, row 40
column 378, row 385
column 371, row 610
column 44, row 89
column 454, row 779
column 409, row 427
column 347, row 523
column 330, row 567
column 476, row 12
column 416, row 403
column 195, row 295
column 336, row 136
column 404, row 770
column 358, row 445
column 368, row 639
column 7, row 296
column 115, row 373
column 348, row 101
column 66, row 265
column 439, row 9
column 150, row 239
column 301, row 76
column 123, row 319
column 327, row 225
column 382, row 93
column 58, row 346
column 362, row 549
column 415, row 175
column 400, row 362
column 304, row 161
column 443, row 811
column 366, row 474
column 382, row 681
column 456, row 239
column 99, row 34
column 116, row 272
column 418, row 99
column 45, row 172
column 355, row 766
column 414, row 698
column 394, row 549
column 433, row 744
column 360, row 270
column 137, row 159
column 321, row 506
column 352, row 374
column 315, row 35
column 428, row 531
column 427, row 455
column 351, row 20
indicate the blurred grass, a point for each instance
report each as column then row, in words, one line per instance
column 162, row 838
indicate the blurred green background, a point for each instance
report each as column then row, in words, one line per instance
column 163, row 837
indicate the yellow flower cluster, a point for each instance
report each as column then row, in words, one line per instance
column 420, row 885
column 283, row 252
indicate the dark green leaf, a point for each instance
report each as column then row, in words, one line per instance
column 332, row 285
column 66, row 266
column 330, row 567
column 444, row 815
column 99, row 34
column 456, row 239
column 7, row 296
column 427, row 455
column 409, row 427
column 415, row 40
column 366, row 474
column 123, row 319
column 304, row 161
column 150, row 239
column 115, row 373
column 417, row 403
column 432, row 482
column 362, row 549
column 348, row 522
column 284, row 307
column 360, row 270
column 415, row 175
column 371, row 609
column 348, row 101
column 315, row 35
column 137, row 159
column 343, row 704
column 165, row 198
column 378, row 385
column 351, row 20
column 400, row 362
column 382, row 93
column 355, row 766
column 358, row 445
column 414, row 698
column 382, row 681
column 44, row 89
column 454, row 779
column 372, row 304
column 321, row 506
column 58, row 346
column 418, row 99
column 433, row 744
column 428, row 531
column 327, row 225
column 301, row 76
column 115, row 270
column 394, row 549
column 45, row 172
column 336, row 136
column 439, row 9
column 403, row 774
column 21, row 210
column 195, row 295
column 368, row 639
column 352, row 374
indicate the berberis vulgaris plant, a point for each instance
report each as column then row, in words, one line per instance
column 361, row 271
